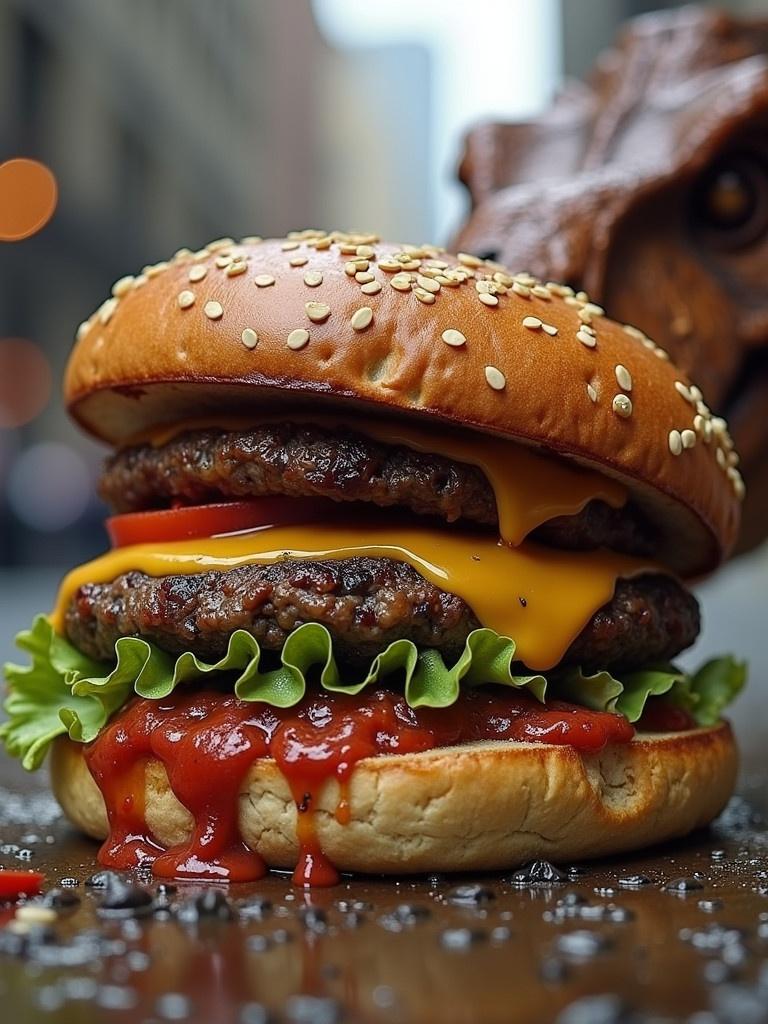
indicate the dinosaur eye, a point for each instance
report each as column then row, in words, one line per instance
column 731, row 201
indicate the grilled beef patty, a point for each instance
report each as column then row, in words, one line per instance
column 201, row 466
column 365, row 604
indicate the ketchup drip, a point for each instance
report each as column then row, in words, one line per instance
column 207, row 740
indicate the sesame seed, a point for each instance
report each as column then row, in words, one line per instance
column 660, row 353
column 323, row 243
column 424, row 296
column 688, row 437
column 107, row 309
column 219, row 243
column 186, row 299
column 468, row 260
column 586, row 339
column 182, row 254
column 123, row 286
column 364, row 277
column 733, row 458
column 549, row 329
column 158, row 268
column 696, row 395
column 453, row 338
column 289, row 246
column 532, row 323
column 634, row 332
column 495, row 378
column 197, row 273
column 592, row 393
column 201, row 254
column 675, row 442
column 140, row 280
column 350, row 269
column 720, row 456
column 317, row 311
column 738, row 486
column 213, row 310
column 365, row 251
column 263, row 280
column 584, row 315
column 250, row 240
column 299, row 261
column 683, row 390
column 541, row 292
column 521, row 289
column 371, row 288
column 622, row 406
column 401, row 283
column 427, row 283
column 389, row 264
column 488, row 299
column 623, row 377
column 298, row 339
column 250, row 338
column 347, row 249
column 235, row 269
column 361, row 318
column 82, row 330
column 222, row 261
column 313, row 278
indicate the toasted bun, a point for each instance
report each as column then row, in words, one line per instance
column 142, row 360
column 481, row 806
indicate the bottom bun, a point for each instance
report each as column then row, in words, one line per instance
column 479, row 806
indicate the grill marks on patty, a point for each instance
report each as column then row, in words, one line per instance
column 365, row 603
column 206, row 465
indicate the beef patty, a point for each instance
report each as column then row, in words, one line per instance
column 207, row 465
column 365, row 604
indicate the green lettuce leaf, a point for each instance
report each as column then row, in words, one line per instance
column 704, row 694
column 715, row 685
column 64, row 692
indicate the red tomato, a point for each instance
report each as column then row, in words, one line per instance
column 19, row 883
column 191, row 521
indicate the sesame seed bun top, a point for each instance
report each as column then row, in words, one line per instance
column 330, row 320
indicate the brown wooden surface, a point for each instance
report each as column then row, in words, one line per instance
column 375, row 973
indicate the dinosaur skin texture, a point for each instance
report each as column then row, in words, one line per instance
column 647, row 186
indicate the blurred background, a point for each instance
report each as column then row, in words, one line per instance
column 166, row 123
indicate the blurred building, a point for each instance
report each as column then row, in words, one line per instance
column 165, row 124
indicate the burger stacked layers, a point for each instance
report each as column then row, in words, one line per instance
column 395, row 579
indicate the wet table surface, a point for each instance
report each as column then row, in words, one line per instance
column 679, row 933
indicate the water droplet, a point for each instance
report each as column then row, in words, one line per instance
column 461, row 938
column 469, row 895
column 537, row 873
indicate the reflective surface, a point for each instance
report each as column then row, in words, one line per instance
column 676, row 930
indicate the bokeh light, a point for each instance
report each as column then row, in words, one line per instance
column 25, row 381
column 49, row 486
column 28, row 196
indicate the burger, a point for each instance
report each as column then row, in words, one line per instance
column 399, row 541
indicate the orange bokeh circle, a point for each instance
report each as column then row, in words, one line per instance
column 28, row 196
column 25, row 381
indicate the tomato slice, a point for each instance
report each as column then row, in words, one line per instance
column 19, row 883
column 190, row 521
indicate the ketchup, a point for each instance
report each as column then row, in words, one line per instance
column 208, row 739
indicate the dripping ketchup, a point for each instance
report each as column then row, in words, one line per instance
column 208, row 739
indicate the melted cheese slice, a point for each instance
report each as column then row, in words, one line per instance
column 540, row 597
column 530, row 488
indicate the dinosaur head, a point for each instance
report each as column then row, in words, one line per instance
column 648, row 188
